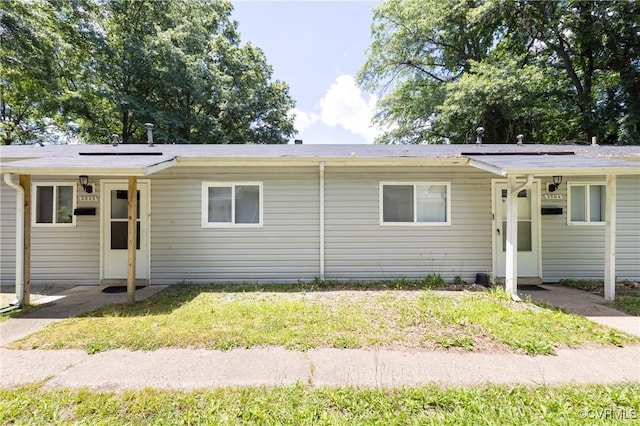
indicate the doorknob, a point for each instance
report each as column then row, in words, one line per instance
column 498, row 231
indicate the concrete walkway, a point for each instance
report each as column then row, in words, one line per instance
column 586, row 304
column 191, row 369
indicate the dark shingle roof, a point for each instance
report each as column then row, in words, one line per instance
column 314, row 151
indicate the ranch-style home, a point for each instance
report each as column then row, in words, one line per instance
column 283, row 213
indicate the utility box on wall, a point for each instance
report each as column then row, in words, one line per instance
column 85, row 211
column 551, row 210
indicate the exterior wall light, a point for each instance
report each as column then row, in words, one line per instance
column 557, row 180
column 84, row 183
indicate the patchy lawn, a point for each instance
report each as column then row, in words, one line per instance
column 298, row 405
column 627, row 293
column 189, row 316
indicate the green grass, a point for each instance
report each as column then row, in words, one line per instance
column 299, row 405
column 190, row 316
column 627, row 300
column 587, row 285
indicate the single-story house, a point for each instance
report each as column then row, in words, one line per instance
column 284, row 213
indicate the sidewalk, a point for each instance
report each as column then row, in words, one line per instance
column 192, row 369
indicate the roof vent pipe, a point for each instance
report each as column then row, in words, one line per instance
column 594, row 140
column 520, row 139
column 149, row 127
column 479, row 132
column 115, row 139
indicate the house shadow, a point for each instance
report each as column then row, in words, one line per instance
column 94, row 301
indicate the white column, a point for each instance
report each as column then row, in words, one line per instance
column 511, row 269
column 610, row 240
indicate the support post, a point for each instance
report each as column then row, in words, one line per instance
column 132, row 238
column 511, row 267
column 25, row 182
column 610, row 239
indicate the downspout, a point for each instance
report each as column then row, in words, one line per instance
column 17, row 303
column 322, row 221
column 525, row 185
column 512, row 287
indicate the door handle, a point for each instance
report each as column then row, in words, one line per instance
column 498, row 231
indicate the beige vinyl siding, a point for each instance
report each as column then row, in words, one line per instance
column 7, row 234
column 68, row 255
column 285, row 248
column 59, row 255
column 358, row 247
column 577, row 251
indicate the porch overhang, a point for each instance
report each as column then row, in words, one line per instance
column 99, row 165
column 551, row 164
column 541, row 164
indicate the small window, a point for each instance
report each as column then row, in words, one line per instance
column 415, row 203
column 231, row 204
column 586, row 203
column 53, row 204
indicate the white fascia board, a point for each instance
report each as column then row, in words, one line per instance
column 574, row 171
column 554, row 171
column 159, row 167
column 87, row 169
column 315, row 162
column 487, row 167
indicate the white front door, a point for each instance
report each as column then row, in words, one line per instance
column 528, row 230
column 114, row 218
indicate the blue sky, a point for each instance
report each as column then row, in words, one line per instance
column 317, row 47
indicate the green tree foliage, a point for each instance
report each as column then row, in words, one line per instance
column 553, row 70
column 106, row 67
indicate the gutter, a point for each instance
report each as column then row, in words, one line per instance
column 17, row 303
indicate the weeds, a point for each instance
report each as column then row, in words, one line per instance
column 204, row 317
column 299, row 405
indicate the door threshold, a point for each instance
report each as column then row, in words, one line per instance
column 522, row 280
column 122, row 282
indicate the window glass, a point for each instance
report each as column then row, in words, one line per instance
column 120, row 235
column 220, row 204
column 44, row 204
column 431, row 203
column 397, row 203
column 587, row 203
column 524, row 235
column 596, row 203
column 247, row 204
column 120, row 204
column 53, row 204
column 64, row 210
column 578, row 200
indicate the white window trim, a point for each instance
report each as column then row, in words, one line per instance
column 34, row 193
column 205, row 205
column 414, row 223
column 587, row 222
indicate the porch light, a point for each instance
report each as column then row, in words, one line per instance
column 84, row 183
column 557, row 180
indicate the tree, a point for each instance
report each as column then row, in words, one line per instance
column 180, row 65
column 36, row 64
column 550, row 70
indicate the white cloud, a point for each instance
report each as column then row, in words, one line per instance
column 344, row 105
column 303, row 120
column 344, row 116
